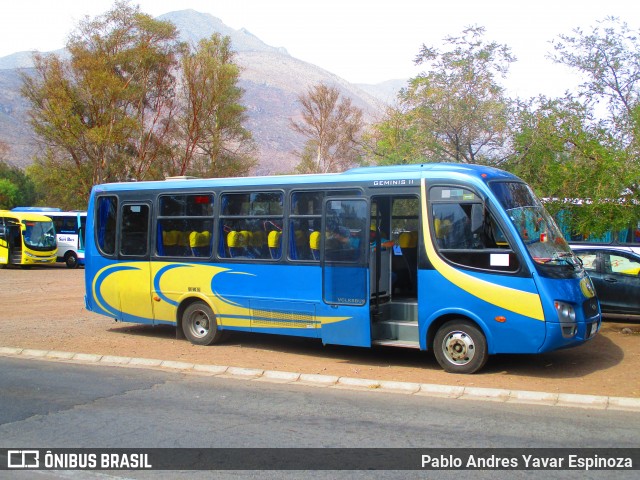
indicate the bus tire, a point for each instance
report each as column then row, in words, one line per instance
column 199, row 324
column 71, row 260
column 460, row 347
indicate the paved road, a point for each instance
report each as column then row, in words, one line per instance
column 56, row 405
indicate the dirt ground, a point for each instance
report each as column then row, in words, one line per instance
column 43, row 308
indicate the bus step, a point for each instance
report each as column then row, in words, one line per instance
column 396, row 343
column 398, row 311
column 16, row 258
column 395, row 331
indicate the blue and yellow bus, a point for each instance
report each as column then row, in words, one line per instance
column 26, row 239
column 460, row 260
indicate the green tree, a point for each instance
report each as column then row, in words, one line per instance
column 59, row 184
column 332, row 126
column 102, row 115
column 395, row 139
column 608, row 58
column 575, row 163
column 581, row 151
column 16, row 188
column 9, row 194
column 212, row 140
column 456, row 110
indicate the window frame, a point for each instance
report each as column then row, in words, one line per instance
column 458, row 256
column 221, row 241
column 116, row 227
column 120, row 230
column 348, row 191
column 184, row 217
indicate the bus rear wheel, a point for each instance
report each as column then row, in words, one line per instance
column 460, row 347
column 199, row 324
column 71, row 260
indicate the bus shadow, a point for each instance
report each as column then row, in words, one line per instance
column 148, row 331
column 309, row 347
column 598, row 354
column 601, row 353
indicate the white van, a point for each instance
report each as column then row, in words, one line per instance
column 70, row 228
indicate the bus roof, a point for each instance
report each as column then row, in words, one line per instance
column 20, row 216
column 67, row 213
column 362, row 174
column 36, row 209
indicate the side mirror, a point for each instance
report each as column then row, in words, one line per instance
column 3, row 232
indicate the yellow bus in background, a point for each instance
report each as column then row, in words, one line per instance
column 69, row 227
column 26, row 239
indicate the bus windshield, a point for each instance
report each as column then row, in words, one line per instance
column 39, row 235
column 537, row 229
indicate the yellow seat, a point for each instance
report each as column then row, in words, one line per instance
column 174, row 242
column 170, row 238
column 258, row 244
column 232, row 239
column 408, row 240
column 274, row 243
column 200, row 243
column 246, row 238
column 314, row 244
column 236, row 243
column 199, row 239
column 443, row 227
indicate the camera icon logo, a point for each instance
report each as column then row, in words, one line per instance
column 23, row 459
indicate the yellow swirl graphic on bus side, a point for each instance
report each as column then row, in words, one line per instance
column 170, row 283
column 517, row 301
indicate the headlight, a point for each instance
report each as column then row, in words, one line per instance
column 566, row 312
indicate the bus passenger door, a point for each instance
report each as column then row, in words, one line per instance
column 345, row 272
column 10, row 243
column 4, row 244
column 135, row 277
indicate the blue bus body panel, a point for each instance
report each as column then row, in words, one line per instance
column 272, row 299
column 518, row 334
column 571, row 291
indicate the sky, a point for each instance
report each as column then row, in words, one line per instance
column 362, row 41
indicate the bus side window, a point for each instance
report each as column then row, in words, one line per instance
column 184, row 227
column 106, row 220
column 467, row 234
column 305, row 222
column 251, row 225
column 134, row 230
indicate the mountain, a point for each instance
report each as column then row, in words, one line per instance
column 15, row 130
column 385, row 92
column 271, row 78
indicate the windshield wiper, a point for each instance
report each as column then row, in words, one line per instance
column 558, row 257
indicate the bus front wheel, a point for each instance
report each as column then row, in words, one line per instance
column 460, row 347
column 71, row 260
column 199, row 324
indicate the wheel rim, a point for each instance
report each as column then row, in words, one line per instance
column 458, row 348
column 199, row 324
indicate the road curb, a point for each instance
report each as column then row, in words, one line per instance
column 330, row 381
